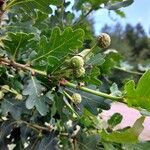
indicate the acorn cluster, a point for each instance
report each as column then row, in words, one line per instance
column 76, row 63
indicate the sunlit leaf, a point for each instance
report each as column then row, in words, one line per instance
column 139, row 95
column 128, row 136
column 118, row 5
column 30, row 5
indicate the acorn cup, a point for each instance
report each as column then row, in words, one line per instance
column 103, row 40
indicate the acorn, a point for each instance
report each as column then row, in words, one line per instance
column 104, row 40
column 79, row 72
column 76, row 97
column 76, row 62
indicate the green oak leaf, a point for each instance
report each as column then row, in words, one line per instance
column 138, row 146
column 120, row 13
column 6, row 129
column 30, row 5
column 93, row 71
column 118, row 5
column 112, row 58
column 15, row 43
column 14, row 107
column 139, row 95
column 89, row 120
column 48, row 142
column 114, row 90
column 52, row 51
column 87, row 142
column 96, row 60
column 34, row 90
column 128, row 136
column 115, row 119
column 92, row 76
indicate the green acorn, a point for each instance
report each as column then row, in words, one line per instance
column 79, row 72
column 76, row 97
column 76, row 62
column 104, row 40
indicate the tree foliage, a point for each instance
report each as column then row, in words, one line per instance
column 39, row 78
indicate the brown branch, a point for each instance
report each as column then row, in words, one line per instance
column 34, row 126
column 16, row 65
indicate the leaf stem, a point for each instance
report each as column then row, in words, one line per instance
column 98, row 93
column 129, row 71
column 67, row 103
column 92, row 48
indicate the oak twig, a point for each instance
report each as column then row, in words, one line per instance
column 14, row 64
column 98, row 93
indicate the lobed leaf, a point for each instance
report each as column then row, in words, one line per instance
column 128, row 136
column 115, row 119
column 51, row 52
column 87, row 142
column 14, row 107
column 15, row 43
column 96, row 60
column 36, row 98
column 30, row 5
column 139, row 95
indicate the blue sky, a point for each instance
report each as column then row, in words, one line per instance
column 139, row 11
